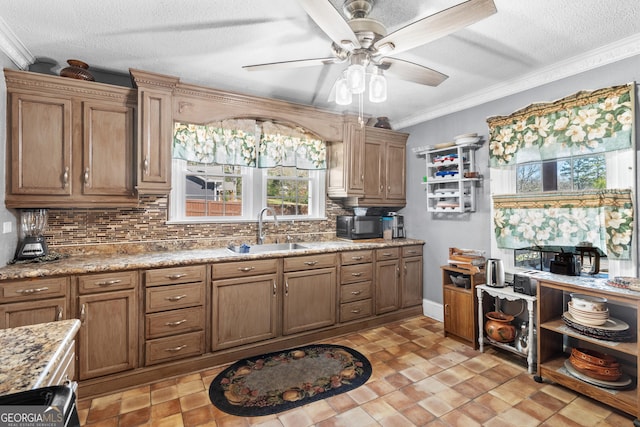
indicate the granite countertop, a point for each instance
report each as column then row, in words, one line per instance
column 117, row 262
column 29, row 353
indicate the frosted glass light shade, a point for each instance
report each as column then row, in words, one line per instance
column 356, row 75
column 377, row 88
column 343, row 94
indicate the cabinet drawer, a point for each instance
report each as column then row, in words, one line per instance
column 356, row 310
column 409, row 251
column 355, row 291
column 106, row 282
column 244, row 268
column 356, row 257
column 175, row 296
column 25, row 290
column 175, row 347
column 169, row 276
column 310, row 261
column 356, row 273
column 387, row 253
column 174, row 322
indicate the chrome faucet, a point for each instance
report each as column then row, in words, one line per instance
column 260, row 233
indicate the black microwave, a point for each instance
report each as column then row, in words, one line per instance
column 354, row 227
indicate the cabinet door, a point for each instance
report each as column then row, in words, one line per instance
column 395, row 172
column 40, row 156
column 108, row 337
column 154, row 141
column 411, row 281
column 355, row 169
column 458, row 313
column 387, row 286
column 17, row 314
column 107, row 149
column 374, row 171
column 309, row 300
column 244, row 310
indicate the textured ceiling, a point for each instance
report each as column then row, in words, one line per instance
column 208, row 41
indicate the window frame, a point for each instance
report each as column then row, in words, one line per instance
column 252, row 201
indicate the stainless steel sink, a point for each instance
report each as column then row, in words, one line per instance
column 257, row 249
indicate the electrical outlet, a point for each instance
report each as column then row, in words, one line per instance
column 6, row 227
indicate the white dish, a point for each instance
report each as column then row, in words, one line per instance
column 612, row 325
column 470, row 140
column 466, row 135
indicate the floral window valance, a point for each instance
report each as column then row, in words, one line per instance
column 246, row 142
column 586, row 122
column 602, row 217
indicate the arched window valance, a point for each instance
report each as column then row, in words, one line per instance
column 247, row 142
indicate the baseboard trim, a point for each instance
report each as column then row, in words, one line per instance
column 433, row 310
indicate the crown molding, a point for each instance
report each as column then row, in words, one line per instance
column 13, row 47
column 622, row 49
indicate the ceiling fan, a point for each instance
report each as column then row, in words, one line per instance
column 363, row 41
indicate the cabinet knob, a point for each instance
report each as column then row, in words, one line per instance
column 145, row 165
column 65, row 177
column 86, row 176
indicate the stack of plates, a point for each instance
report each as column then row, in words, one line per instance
column 466, row 138
column 612, row 330
column 588, row 317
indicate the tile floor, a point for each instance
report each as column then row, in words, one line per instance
column 419, row 378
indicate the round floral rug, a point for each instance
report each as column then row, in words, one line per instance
column 282, row 380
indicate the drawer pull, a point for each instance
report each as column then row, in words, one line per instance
column 65, row 177
column 176, row 298
column 355, row 311
column 245, row 269
column 356, row 292
column 83, row 313
column 310, row 262
column 176, row 276
column 412, row 251
column 356, row 274
column 275, row 288
column 387, row 254
column 60, row 313
column 109, row 282
column 32, row 290
column 356, row 258
column 176, row 323
column 176, row 349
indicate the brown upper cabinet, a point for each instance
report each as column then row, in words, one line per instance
column 155, row 131
column 368, row 167
column 70, row 142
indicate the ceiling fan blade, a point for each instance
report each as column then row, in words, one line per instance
column 406, row 70
column 298, row 63
column 435, row 26
column 331, row 22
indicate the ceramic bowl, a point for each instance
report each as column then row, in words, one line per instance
column 588, row 302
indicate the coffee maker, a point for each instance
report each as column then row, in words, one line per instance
column 32, row 243
column 397, row 225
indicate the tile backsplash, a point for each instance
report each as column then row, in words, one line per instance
column 144, row 228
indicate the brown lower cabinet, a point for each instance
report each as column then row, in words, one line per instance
column 108, row 312
column 138, row 326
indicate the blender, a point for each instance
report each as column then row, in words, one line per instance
column 32, row 225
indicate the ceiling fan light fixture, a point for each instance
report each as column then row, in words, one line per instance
column 343, row 94
column 356, row 77
column 386, row 48
column 377, row 87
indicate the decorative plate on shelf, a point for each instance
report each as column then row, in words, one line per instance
column 613, row 330
column 623, row 383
